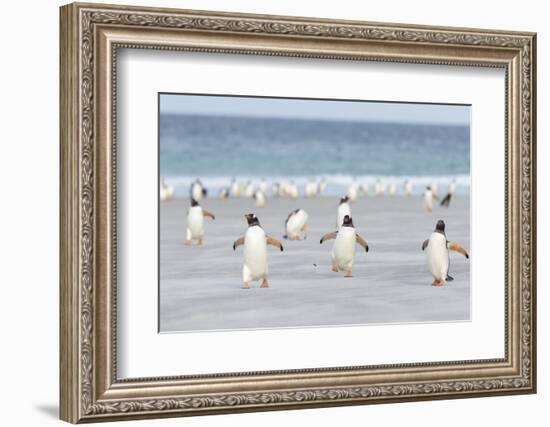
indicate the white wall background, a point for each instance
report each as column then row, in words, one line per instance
column 29, row 170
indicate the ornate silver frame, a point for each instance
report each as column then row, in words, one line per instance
column 90, row 36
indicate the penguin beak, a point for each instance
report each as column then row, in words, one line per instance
column 248, row 216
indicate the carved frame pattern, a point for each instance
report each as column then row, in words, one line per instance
column 80, row 400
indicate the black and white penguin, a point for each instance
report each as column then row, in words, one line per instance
column 408, row 187
column 437, row 253
column 255, row 243
column 447, row 199
column 379, row 188
column 343, row 250
column 197, row 190
column 353, row 191
column 224, row 193
column 429, row 197
column 166, row 191
column 259, row 197
column 296, row 225
column 234, row 188
column 195, row 223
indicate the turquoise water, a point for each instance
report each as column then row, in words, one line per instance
column 215, row 149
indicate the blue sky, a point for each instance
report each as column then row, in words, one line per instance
column 315, row 109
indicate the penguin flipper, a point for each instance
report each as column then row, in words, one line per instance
column 424, row 244
column 449, row 278
column 361, row 241
column 457, row 248
column 208, row 214
column 274, row 242
column 328, row 236
column 238, row 243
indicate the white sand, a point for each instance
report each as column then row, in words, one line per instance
column 200, row 287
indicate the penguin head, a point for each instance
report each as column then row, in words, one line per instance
column 194, row 202
column 252, row 219
column 440, row 226
column 428, row 188
column 348, row 222
column 344, row 199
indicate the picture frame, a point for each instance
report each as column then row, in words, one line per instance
column 91, row 35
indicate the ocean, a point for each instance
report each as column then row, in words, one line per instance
column 216, row 149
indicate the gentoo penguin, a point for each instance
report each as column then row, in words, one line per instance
column 292, row 190
column 166, row 192
column 163, row 195
column 352, row 191
column 434, row 187
column 452, row 186
column 392, row 189
column 296, row 224
column 259, row 197
column 224, row 193
column 255, row 243
column 437, row 252
column 234, row 188
column 276, row 189
column 365, row 188
column 197, row 190
column 263, row 186
column 311, row 188
column 322, row 185
column 408, row 187
column 379, row 188
column 343, row 210
column 447, row 199
column 283, row 189
column 249, row 190
column 429, row 197
column 195, row 222
column 343, row 250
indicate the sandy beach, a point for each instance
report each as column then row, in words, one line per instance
column 200, row 287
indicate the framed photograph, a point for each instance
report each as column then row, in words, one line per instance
column 265, row 213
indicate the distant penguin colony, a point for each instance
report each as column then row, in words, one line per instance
column 345, row 236
column 437, row 254
column 255, row 243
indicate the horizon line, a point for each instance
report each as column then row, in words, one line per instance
column 313, row 119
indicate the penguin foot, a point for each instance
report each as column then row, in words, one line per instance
column 245, row 285
column 349, row 274
column 438, row 282
column 199, row 243
column 264, row 284
column 335, row 269
column 188, row 242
